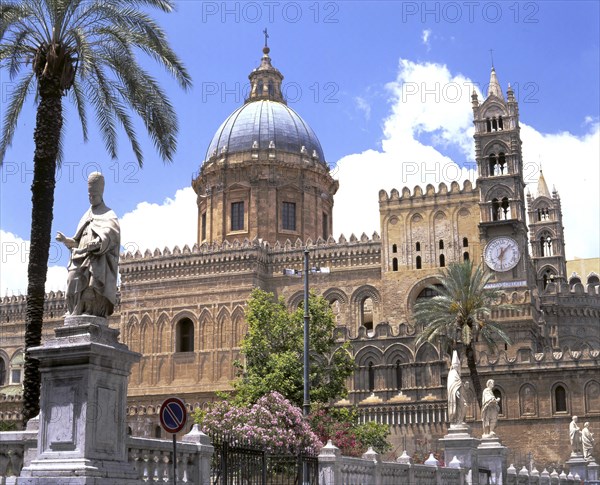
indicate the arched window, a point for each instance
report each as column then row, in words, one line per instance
column 271, row 88
column 441, row 244
column 185, row 336
column 442, row 261
column 394, row 248
column 543, row 214
column 2, row 372
column 593, row 280
column 560, row 399
column 398, row 375
column 129, row 431
column 495, row 210
column 501, row 163
column 488, row 125
column 158, row 432
column 546, row 245
column 466, row 256
column 574, row 280
column 417, row 246
column 371, row 377
column 418, row 262
column 465, row 242
column 547, row 277
column 366, row 313
column 505, row 208
column 428, row 292
column 493, row 164
column 259, row 88
column 498, row 393
column 494, row 124
column 500, row 123
column 395, row 264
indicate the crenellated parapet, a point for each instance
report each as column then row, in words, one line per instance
column 240, row 256
column 12, row 308
column 406, row 197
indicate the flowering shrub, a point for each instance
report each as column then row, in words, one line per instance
column 272, row 423
column 340, row 425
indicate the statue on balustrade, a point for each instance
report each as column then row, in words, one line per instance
column 93, row 267
column 489, row 410
column 587, row 442
column 457, row 393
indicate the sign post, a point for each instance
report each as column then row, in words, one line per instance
column 173, row 417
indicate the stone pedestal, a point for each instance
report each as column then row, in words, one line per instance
column 82, row 437
column 492, row 455
column 459, row 442
column 577, row 464
column 593, row 470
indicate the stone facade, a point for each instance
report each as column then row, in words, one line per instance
column 183, row 308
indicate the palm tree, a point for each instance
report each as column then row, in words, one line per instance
column 83, row 49
column 460, row 314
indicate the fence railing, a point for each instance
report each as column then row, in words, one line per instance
column 238, row 461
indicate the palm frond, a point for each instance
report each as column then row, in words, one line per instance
column 12, row 113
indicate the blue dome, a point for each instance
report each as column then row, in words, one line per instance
column 265, row 121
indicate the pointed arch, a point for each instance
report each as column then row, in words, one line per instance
column 146, row 335
column 223, row 329
column 205, row 330
column 239, row 326
column 163, row 334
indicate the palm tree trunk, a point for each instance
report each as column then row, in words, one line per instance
column 47, row 138
column 470, row 352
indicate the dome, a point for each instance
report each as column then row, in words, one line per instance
column 262, row 124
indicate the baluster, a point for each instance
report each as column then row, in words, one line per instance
column 134, row 459
column 146, row 475
column 3, row 463
column 164, row 467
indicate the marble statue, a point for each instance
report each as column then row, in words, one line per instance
column 457, row 403
column 489, row 410
column 587, row 441
column 575, row 436
column 93, row 267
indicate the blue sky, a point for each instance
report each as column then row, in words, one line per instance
column 379, row 84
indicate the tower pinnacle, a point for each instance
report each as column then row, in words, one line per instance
column 542, row 188
column 494, row 87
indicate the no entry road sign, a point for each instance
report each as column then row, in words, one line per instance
column 173, row 415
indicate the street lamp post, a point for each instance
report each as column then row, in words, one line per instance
column 305, row 272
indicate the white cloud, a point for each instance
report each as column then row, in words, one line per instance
column 425, row 36
column 151, row 226
column 431, row 112
column 15, row 256
column 363, row 105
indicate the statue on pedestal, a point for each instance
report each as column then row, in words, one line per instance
column 575, row 436
column 587, row 441
column 489, row 410
column 457, row 394
column 93, row 267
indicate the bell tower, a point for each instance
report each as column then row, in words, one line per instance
column 502, row 228
column 546, row 235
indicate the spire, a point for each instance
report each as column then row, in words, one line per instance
column 542, row 188
column 494, row 87
column 265, row 80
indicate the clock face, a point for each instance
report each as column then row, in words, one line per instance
column 502, row 254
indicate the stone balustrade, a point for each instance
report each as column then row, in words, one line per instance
column 335, row 469
column 151, row 458
column 534, row 477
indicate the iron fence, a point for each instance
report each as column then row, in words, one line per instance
column 242, row 462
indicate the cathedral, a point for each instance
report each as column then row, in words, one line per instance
column 265, row 193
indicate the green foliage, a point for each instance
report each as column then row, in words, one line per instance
column 9, row 426
column 273, row 351
column 460, row 314
column 90, row 49
column 341, row 426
